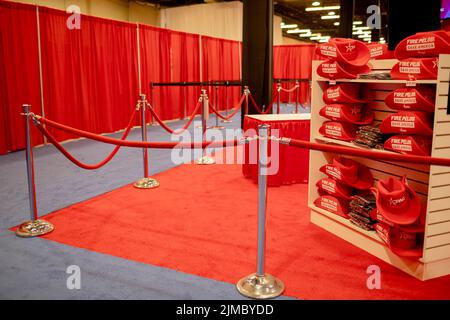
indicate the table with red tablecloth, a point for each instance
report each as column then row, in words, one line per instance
column 293, row 163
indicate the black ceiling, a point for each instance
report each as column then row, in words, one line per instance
column 293, row 12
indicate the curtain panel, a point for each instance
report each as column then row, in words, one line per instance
column 90, row 74
column 19, row 73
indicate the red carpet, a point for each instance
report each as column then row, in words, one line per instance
column 202, row 221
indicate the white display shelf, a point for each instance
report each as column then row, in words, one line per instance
column 388, row 81
column 346, row 223
column 432, row 183
column 347, row 144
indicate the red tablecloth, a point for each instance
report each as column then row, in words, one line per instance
column 293, row 162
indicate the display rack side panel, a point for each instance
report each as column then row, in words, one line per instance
column 437, row 233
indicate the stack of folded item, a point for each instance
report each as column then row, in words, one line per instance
column 370, row 137
column 412, row 124
column 361, row 207
column 400, row 217
column 345, row 176
column 347, row 58
column 419, row 55
column 345, row 111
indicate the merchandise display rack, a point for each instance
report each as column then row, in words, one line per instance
column 431, row 183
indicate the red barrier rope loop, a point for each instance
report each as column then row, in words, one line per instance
column 289, row 90
column 269, row 108
column 74, row 160
column 235, row 109
column 167, row 128
column 364, row 153
column 132, row 144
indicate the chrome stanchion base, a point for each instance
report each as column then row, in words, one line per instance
column 205, row 160
column 260, row 287
column 35, row 228
column 146, row 183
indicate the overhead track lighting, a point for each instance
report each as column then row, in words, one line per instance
column 289, row 26
column 329, row 17
column 322, row 8
column 298, row 30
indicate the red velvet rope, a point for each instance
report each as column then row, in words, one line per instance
column 289, row 90
column 236, row 110
column 268, row 109
column 168, row 129
column 133, row 144
column 77, row 162
column 369, row 153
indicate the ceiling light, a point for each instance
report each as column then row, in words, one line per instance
column 323, row 40
column 316, row 3
column 336, row 23
column 322, row 8
column 361, row 28
column 382, row 41
column 365, row 35
column 329, row 17
column 303, row 35
column 289, row 26
column 357, row 22
column 331, row 13
column 298, row 30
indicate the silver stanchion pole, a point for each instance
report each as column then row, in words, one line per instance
column 35, row 227
column 297, row 84
column 278, row 97
column 204, row 159
column 260, row 285
column 246, row 93
column 146, row 182
column 227, row 104
column 216, row 100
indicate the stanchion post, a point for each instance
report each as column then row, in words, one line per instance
column 204, row 159
column 278, row 97
column 216, row 102
column 35, row 227
column 297, row 91
column 146, row 182
column 246, row 93
column 260, row 285
column 227, row 103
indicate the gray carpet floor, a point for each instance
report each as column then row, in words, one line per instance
column 36, row 268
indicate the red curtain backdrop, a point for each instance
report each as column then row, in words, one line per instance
column 155, row 65
column 19, row 73
column 185, row 67
column 90, row 74
column 170, row 56
column 221, row 61
column 294, row 62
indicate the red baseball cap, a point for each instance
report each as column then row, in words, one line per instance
column 419, row 98
column 333, row 205
column 348, row 52
column 331, row 187
column 349, row 172
column 403, row 243
column 424, row 44
column 415, row 145
column 380, row 51
column 338, row 130
column 416, row 69
column 343, row 93
column 352, row 113
column 396, row 201
column 407, row 122
column 331, row 69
